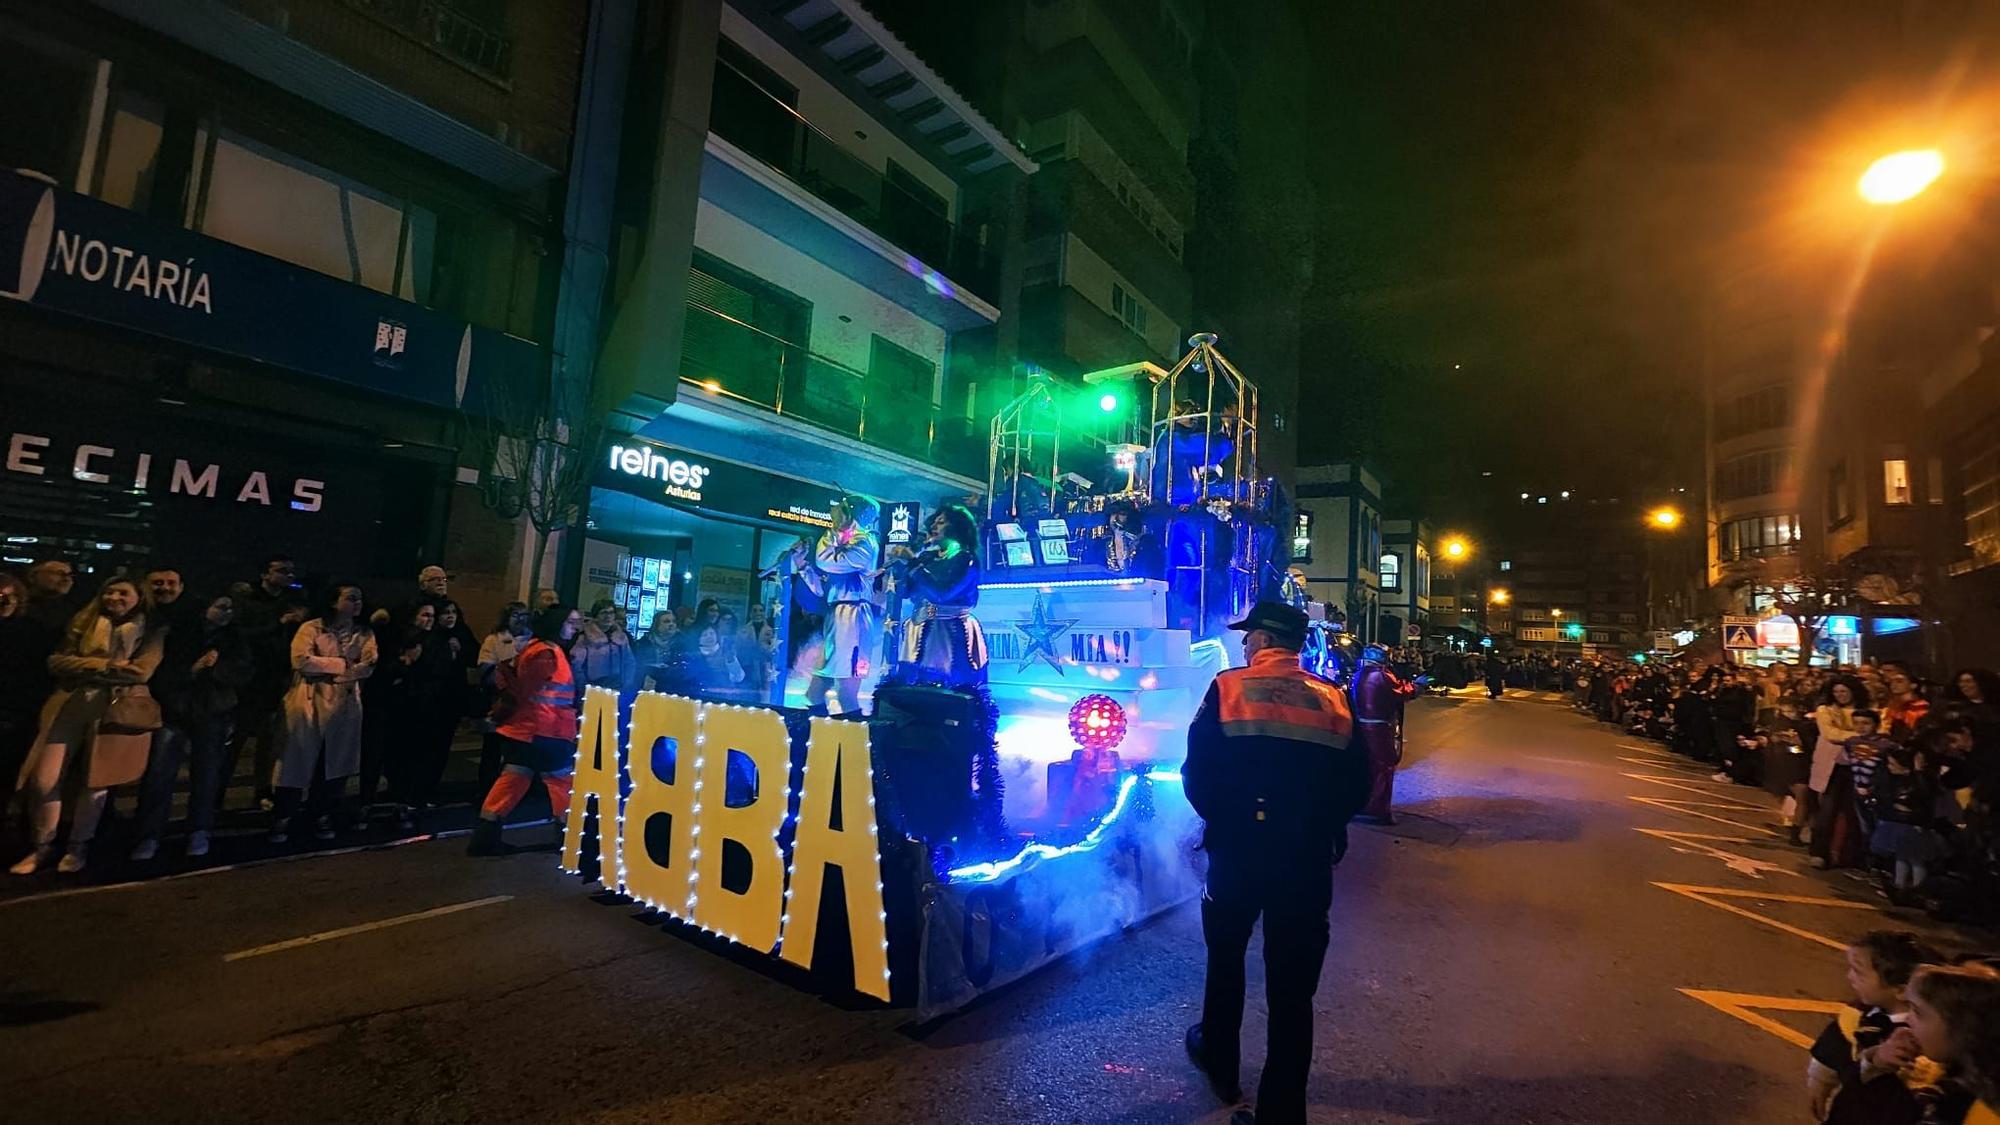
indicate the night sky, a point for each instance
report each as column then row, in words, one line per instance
column 1538, row 192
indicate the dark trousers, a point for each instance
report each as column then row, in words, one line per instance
column 266, row 727
column 1296, row 934
column 422, row 749
column 204, row 749
column 320, row 800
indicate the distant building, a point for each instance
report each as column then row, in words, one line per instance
column 1339, row 543
column 1404, row 577
column 1575, row 577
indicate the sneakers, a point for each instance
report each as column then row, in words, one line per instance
column 32, row 862
column 279, row 835
column 145, row 850
column 197, row 844
column 323, row 828
column 1817, row 863
column 74, row 859
column 1720, row 775
column 1225, row 1088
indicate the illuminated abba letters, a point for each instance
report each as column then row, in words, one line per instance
column 679, row 768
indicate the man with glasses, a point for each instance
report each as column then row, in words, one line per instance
column 49, row 585
column 266, row 615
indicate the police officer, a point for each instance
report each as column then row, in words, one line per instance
column 1272, row 771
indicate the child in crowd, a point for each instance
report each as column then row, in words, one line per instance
column 1905, row 797
column 1865, row 748
column 1954, row 1018
column 1860, row 1070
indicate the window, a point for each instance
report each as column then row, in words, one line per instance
column 60, row 83
column 1391, row 571
column 1757, row 536
column 1302, row 537
column 1128, row 309
column 1934, row 481
column 1839, row 507
column 291, row 209
column 1765, row 408
column 1980, row 490
column 1506, row 564
column 1753, row 474
column 1895, row 481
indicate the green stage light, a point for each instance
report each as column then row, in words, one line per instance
column 1108, row 404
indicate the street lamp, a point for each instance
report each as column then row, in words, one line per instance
column 1497, row 597
column 1456, row 548
column 1900, row 176
column 1666, row 517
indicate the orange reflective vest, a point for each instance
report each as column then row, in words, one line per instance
column 1275, row 698
column 543, row 691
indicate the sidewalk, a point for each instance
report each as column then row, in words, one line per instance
column 239, row 836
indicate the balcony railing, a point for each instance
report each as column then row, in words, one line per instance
column 730, row 357
column 747, row 116
column 439, row 24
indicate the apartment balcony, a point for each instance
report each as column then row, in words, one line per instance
column 749, row 366
column 800, row 183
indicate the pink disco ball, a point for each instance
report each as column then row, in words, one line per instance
column 1097, row 722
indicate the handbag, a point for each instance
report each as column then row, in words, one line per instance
column 132, row 710
column 117, row 759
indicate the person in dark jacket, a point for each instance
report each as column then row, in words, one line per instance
column 203, row 665
column 267, row 614
column 51, row 594
column 1273, row 771
column 420, row 740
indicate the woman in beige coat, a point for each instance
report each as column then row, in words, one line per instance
column 108, row 645
column 331, row 654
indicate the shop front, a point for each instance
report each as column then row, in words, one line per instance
column 673, row 527
column 172, row 398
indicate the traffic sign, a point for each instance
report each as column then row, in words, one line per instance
column 1740, row 619
column 1739, row 636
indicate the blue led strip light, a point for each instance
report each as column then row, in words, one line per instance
column 1061, row 583
column 987, row 872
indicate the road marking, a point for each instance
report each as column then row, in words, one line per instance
column 1675, row 783
column 1740, row 1005
column 248, row 864
column 1674, row 804
column 1708, row 895
column 1741, row 864
column 1657, row 763
column 365, row 927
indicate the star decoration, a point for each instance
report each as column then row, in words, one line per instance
column 1040, row 633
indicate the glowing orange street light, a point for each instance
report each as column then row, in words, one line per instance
column 1497, row 597
column 1900, row 176
column 1456, row 548
column 1664, row 518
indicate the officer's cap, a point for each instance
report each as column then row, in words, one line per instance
column 1286, row 623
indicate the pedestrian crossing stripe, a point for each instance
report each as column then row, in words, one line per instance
column 1739, row 636
column 1744, row 1006
column 1707, row 896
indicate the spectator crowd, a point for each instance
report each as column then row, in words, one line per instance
column 143, row 690
column 1879, row 770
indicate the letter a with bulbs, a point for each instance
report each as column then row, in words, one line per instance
column 713, row 833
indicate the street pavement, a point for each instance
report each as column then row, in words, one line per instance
column 1566, row 925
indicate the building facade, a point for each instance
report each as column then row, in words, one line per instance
column 1404, row 574
column 286, row 247
column 1575, row 576
column 1338, row 542
column 840, row 244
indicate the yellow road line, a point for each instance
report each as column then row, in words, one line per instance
column 1675, row 783
column 365, row 927
column 1739, row 1005
column 1742, row 865
column 1674, row 804
column 1707, row 896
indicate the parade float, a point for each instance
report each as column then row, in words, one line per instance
column 995, row 812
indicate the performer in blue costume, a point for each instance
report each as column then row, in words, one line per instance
column 841, row 569
column 944, row 637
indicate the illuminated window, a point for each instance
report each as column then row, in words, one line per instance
column 1895, row 481
column 1506, row 564
column 1839, row 508
column 1302, row 537
column 1391, row 571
